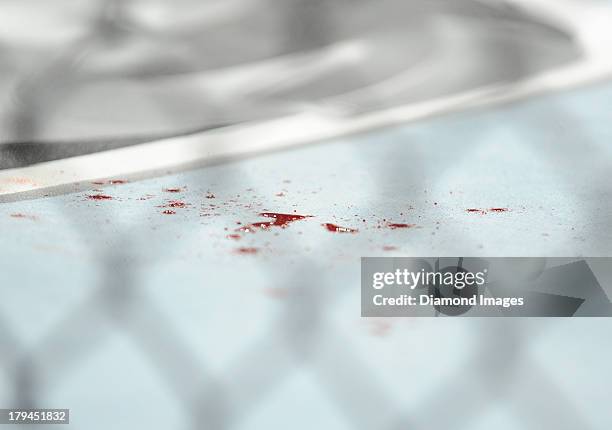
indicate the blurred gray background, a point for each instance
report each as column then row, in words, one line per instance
column 136, row 319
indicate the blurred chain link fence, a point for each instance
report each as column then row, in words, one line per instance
column 111, row 73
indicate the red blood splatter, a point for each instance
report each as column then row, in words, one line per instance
column 168, row 212
column 279, row 220
column 210, row 196
column 281, row 194
column 99, row 197
column 245, row 250
column 234, row 236
column 173, row 190
column 174, row 204
column 483, row 211
column 338, row 229
column 394, row 225
column 389, row 248
column 98, row 182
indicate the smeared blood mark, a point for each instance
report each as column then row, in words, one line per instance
column 499, row 209
column 338, row 229
column 281, row 194
column 389, row 248
column 234, row 236
column 245, row 250
column 168, row 212
column 279, row 220
column 380, row 327
column 394, row 225
column 23, row 216
column 98, row 182
column 210, row 196
column 99, row 197
column 173, row 190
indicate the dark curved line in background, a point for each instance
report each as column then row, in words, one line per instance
column 23, row 154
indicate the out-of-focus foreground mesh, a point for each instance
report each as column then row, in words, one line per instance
column 112, row 73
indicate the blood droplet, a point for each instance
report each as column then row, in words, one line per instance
column 394, row 225
column 247, row 250
column 168, row 212
column 278, row 220
column 234, row 236
column 99, row 197
column 483, row 212
column 174, row 204
column 338, row 229
column 173, row 190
